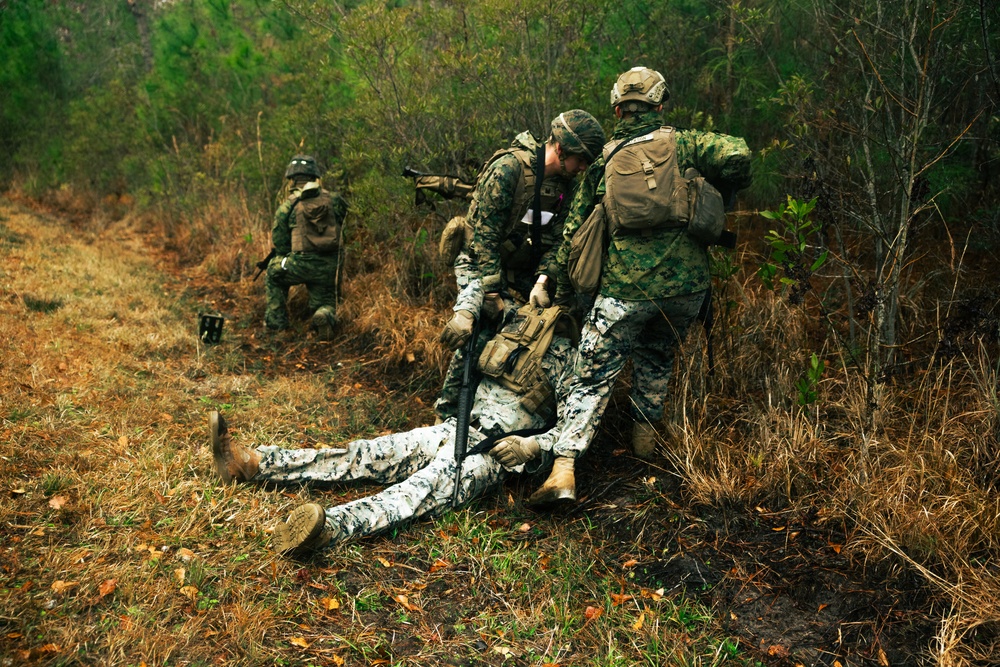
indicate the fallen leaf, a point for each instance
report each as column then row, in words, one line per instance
column 18, row 491
column 384, row 562
column 836, row 547
column 405, row 603
column 590, row 613
column 329, row 604
column 822, row 607
column 543, row 561
column 630, row 563
column 505, row 651
column 190, row 592
column 638, row 624
column 59, row 586
column 299, row 641
column 337, row 660
column 410, row 357
column 57, row 502
column 882, row 659
column 619, row 598
column 107, row 587
column 778, row 529
column 836, row 663
column 439, row 564
column 179, row 575
column 165, row 417
column 655, row 596
column 777, row 650
column 123, row 441
column 524, row 527
column 185, row 555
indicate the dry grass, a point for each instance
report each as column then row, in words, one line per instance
column 120, row 548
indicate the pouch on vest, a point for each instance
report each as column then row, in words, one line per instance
column 708, row 211
column 514, row 356
column 644, row 188
column 456, row 237
column 316, row 227
column 586, row 252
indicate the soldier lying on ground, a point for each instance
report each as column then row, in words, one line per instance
column 419, row 464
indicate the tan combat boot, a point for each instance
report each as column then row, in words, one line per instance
column 302, row 531
column 644, row 440
column 560, row 487
column 233, row 462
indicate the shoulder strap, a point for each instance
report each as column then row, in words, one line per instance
column 624, row 142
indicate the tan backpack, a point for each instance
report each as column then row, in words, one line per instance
column 586, row 252
column 317, row 222
column 645, row 189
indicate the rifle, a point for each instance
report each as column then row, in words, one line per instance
column 449, row 187
column 465, row 396
column 262, row 264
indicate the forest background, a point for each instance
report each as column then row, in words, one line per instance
column 858, row 317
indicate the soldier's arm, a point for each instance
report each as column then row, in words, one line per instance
column 281, row 232
column 722, row 159
column 585, row 197
column 488, row 217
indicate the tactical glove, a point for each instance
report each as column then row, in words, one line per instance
column 456, row 333
column 539, row 297
column 514, row 450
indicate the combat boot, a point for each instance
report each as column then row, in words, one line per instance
column 233, row 462
column 560, row 487
column 323, row 322
column 303, row 531
column 644, row 440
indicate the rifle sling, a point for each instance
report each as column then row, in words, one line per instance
column 536, row 208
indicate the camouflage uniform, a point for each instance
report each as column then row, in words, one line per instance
column 318, row 272
column 651, row 291
column 500, row 259
column 419, row 464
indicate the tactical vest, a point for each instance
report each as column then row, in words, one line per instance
column 317, row 229
column 514, row 357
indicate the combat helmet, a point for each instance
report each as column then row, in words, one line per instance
column 578, row 133
column 640, row 84
column 304, row 165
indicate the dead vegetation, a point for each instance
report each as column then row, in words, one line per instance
column 771, row 532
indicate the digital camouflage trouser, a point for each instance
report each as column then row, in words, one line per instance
column 614, row 331
column 317, row 272
column 419, row 464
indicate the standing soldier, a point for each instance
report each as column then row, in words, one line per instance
column 306, row 238
column 513, row 253
column 655, row 274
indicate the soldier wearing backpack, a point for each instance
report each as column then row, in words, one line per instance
column 654, row 186
column 513, row 250
column 306, row 236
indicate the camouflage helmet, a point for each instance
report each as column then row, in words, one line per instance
column 640, row 84
column 578, row 133
column 304, row 165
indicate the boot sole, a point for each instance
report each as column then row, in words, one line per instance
column 217, row 426
column 563, row 497
column 301, row 531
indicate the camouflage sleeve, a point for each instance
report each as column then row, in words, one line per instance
column 281, row 231
column 470, row 297
column 548, row 264
column 489, row 213
column 585, row 197
column 722, row 159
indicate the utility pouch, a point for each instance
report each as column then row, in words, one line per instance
column 708, row 212
column 586, row 252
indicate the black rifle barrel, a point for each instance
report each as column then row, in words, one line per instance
column 465, row 396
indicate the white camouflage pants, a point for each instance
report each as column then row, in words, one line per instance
column 616, row 330
column 419, row 465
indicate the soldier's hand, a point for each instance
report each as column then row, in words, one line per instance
column 539, row 297
column 514, row 450
column 456, row 333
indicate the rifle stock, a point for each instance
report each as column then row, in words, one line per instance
column 465, row 396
